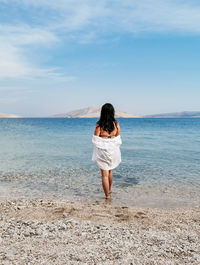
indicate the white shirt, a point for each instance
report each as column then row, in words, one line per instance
column 106, row 152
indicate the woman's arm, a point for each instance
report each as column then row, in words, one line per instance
column 118, row 129
column 97, row 130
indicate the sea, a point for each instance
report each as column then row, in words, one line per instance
column 50, row 158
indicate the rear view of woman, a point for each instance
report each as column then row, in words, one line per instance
column 107, row 141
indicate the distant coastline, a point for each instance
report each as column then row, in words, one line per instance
column 94, row 112
column 5, row 115
column 184, row 114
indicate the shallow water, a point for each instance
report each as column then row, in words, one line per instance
column 52, row 158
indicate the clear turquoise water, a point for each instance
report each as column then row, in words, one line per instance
column 52, row 157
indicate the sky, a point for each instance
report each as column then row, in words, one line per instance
column 58, row 56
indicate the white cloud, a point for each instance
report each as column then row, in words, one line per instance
column 14, row 63
column 11, row 63
column 54, row 74
column 46, row 22
column 118, row 16
column 161, row 16
column 26, row 35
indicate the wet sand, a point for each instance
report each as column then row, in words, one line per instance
column 64, row 232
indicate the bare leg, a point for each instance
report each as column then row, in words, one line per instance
column 105, row 182
column 110, row 180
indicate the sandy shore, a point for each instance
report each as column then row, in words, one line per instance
column 62, row 232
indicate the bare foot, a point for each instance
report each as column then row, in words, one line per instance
column 108, row 200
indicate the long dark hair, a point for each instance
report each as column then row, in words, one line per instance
column 107, row 118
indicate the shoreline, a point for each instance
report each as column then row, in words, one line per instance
column 140, row 196
column 65, row 232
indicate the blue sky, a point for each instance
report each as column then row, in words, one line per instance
column 57, row 56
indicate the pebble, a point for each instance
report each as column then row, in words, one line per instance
column 71, row 241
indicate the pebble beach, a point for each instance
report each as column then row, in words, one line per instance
column 64, row 232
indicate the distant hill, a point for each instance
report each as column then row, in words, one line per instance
column 184, row 114
column 5, row 115
column 93, row 112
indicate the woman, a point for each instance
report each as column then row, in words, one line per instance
column 107, row 140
